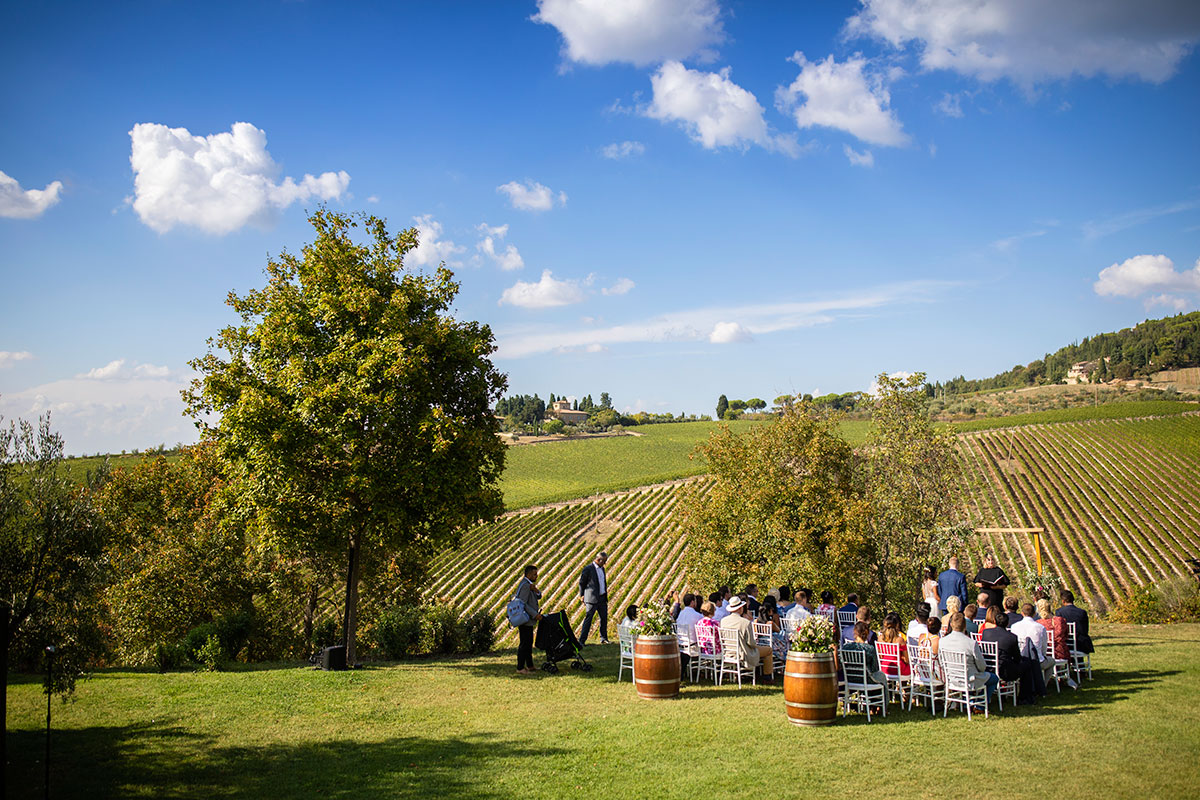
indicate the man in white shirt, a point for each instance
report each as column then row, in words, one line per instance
column 919, row 625
column 802, row 610
column 1027, row 629
column 689, row 616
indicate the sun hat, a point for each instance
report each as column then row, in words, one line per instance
column 736, row 604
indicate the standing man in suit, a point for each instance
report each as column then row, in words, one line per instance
column 1073, row 613
column 952, row 582
column 593, row 591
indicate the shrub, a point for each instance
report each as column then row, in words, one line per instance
column 1180, row 599
column 553, row 426
column 1140, row 607
column 325, row 634
column 231, row 634
column 477, row 632
column 439, row 630
column 211, row 654
column 169, row 656
column 398, row 632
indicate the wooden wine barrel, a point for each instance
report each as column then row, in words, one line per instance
column 810, row 688
column 656, row 667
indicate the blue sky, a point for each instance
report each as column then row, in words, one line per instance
column 665, row 200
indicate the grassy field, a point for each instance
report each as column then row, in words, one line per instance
column 553, row 471
column 457, row 728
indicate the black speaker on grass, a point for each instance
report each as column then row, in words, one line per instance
column 333, row 658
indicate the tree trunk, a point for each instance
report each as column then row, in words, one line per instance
column 350, row 624
column 310, row 611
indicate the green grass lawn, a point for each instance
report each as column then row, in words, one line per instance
column 553, row 471
column 454, row 728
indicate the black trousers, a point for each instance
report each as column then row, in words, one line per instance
column 602, row 608
column 525, row 647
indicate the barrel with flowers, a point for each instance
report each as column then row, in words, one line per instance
column 810, row 676
column 656, row 667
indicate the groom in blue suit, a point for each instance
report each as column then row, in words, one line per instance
column 952, row 582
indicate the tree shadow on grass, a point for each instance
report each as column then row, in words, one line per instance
column 170, row 762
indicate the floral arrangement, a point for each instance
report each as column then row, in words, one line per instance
column 814, row 635
column 654, row 619
column 1047, row 584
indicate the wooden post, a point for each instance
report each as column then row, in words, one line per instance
column 1037, row 540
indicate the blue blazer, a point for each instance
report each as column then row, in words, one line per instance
column 952, row 582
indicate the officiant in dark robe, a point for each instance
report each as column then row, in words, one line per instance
column 992, row 580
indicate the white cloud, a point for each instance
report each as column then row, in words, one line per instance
column 1144, row 274
column 844, row 97
column 1032, row 41
column 130, row 407
column 714, row 110
column 622, row 286
column 373, row 198
column 1094, row 229
column 698, row 324
column 18, row 203
column 1008, row 242
column 431, row 248
column 864, row 159
column 950, row 104
column 8, row 358
column 728, row 333
column 596, row 348
column 532, row 196
column 508, row 260
column 1171, row 301
column 546, row 293
column 619, row 150
column 216, row 183
column 638, row 32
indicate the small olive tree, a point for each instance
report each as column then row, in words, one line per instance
column 782, row 506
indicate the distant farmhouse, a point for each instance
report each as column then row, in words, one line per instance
column 1081, row 372
column 562, row 410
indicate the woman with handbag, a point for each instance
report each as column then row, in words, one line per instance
column 527, row 595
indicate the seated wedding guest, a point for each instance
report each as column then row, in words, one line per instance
column 675, row 603
column 1008, row 650
column 862, row 615
column 1073, row 613
column 919, row 625
column 861, row 632
column 956, row 641
column 931, row 637
column 1012, row 607
column 630, row 617
column 769, row 612
column 751, row 654
column 969, row 614
column 892, row 634
column 801, row 610
column 751, row 597
column 785, row 600
column 707, row 609
column 991, row 621
column 982, row 603
column 1057, row 626
column 951, row 609
column 722, row 602
column 851, row 603
column 826, row 603
column 1032, row 639
column 689, row 615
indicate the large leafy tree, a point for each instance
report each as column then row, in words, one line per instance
column 782, row 506
column 909, row 473
column 352, row 408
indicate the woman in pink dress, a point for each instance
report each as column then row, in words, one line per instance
column 708, row 609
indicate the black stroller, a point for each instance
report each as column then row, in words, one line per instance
column 555, row 636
